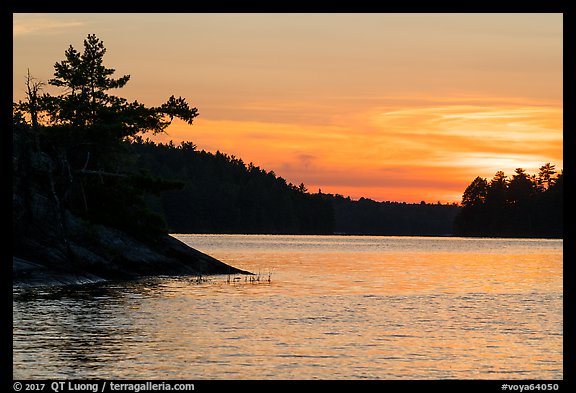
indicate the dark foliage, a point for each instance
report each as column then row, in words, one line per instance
column 222, row 194
column 524, row 206
column 368, row 217
column 82, row 133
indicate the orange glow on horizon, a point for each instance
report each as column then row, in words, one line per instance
column 408, row 154
column 389, row 106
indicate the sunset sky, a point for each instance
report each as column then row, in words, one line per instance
column 399, row 107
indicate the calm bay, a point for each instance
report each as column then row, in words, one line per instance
column 318, row 307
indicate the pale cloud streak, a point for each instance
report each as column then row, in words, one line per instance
column 380, row 151
column 41, row 25
column 483, row 128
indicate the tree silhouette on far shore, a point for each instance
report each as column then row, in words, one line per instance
column 525, row 205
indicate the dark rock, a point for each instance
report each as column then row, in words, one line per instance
column 51, row 245
column 95, row 253
column 25, row 272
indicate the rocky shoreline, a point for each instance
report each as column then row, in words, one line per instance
column 108, row 254
column 132, row 260
column 53, row 246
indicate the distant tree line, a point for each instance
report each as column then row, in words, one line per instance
column 369, row 217
column 522, row 206
column 219, row 193
column 222, row 194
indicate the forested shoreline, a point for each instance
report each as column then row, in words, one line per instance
column 521, row 206
column 222, row 194
column 218, row 193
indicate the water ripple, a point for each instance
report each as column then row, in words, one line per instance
column 336, row 308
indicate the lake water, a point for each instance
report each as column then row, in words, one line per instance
column 336, row 307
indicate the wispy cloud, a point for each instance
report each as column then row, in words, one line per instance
column 438, row 148
column 27, row 26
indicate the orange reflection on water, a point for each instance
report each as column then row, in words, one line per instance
column 399, row 273
column 336, row 308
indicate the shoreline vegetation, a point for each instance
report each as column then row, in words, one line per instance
column 78, row 212
column 94, row 201
column 220, row 194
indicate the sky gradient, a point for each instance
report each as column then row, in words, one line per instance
column 399, row 107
